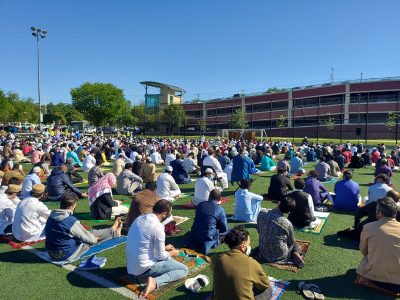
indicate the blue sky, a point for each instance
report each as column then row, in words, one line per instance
column 211, row 48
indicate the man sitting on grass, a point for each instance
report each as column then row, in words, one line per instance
column 31, row 216
column 277, row 242
column 8, row 205
column 236, row 275
column 148, row 258
column 209, row 224
column 347, row 193
column 247, row 204
column 66, row 239
column 379, row 244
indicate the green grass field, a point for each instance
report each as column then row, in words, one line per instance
column 330, row 261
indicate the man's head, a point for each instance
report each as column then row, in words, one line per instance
column 208, row 172
column 347, row 174
column 69, row 161
column 215, row 195
column 151, row 185
column 128, row 166
column 99, row 161
column 238, row 238
column 299, row 183
column 386, row 207
column 210, row 151
column 168, row 169
column 162, row 209
column 286, row 205
column 313, row 173
column 382, row 178
column 64, row 168
column 38, row 190
column 36, row 170
column 178, row 156
column 245, row 184
column 12, row 191
column 68, row 200
column 394, row 195
column 17, row 167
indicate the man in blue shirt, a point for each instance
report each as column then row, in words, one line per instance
column 247, row 204
column 209, row 224
column 347, row 193
column 29, row 181
column 296, row 165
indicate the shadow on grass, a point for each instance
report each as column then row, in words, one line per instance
column 110, row 274
column 20, row 257
column 340, row 287
column 334, row 240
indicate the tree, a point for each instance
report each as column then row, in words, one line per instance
column 100, row 103
column 275, row 90
column 391, row 121
column 330, row 123
column 239, row 120
column 281, row 122
column 175, row 116
column 61, row 113
column 6, row 108
column 202, row 125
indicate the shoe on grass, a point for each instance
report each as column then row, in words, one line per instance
column 93, row 263
column 195, row 284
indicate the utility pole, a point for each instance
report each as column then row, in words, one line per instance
column 331, row 76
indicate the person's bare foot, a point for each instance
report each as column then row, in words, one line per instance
column 151, row 286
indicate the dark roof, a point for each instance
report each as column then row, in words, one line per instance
column 160, row 85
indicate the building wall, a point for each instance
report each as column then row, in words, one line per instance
column 352, row 105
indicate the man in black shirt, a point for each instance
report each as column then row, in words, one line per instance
column 303, row 213
column 279, row 186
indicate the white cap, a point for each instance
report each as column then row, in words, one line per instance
column 36, row 170
column 168, row 168
column 138, row 157
column 208, row 170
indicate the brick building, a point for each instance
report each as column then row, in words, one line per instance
column 338, row 110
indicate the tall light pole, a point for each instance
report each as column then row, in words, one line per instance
column 38, row 34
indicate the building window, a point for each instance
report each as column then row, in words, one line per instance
column 375, row 97
column 306, row 102
column 194, row 113
column 377, row 118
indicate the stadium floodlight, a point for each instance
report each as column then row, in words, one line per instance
column 38, row 34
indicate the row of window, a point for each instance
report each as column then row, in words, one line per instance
column 375, row 97
column 302, row 103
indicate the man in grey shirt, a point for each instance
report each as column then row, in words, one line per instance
column 128, row 182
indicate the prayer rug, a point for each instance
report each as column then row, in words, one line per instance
column 14, row 243
column 100, row 247
column 278, row 287
column 289, row 266
column 317, row 229
column 364, row 282
column 180, row 220
column 190, row 204
column 195, row 265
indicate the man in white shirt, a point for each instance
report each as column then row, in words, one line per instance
column 156, row 157
column 169, row 157
column 211, row 161
column 148, row 258
column 88, row 163
column 247, row 204
column 190, row 164
column 203, row 187
column 31, row 216
column 166, row 186
column 29, row 181
column 8, row 206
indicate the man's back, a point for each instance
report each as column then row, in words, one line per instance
column 145, row 243
column 233, row 282
column 278, row 187
column 380, row 243
column 347, row 192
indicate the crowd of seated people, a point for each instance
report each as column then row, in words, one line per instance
column 149, row 258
